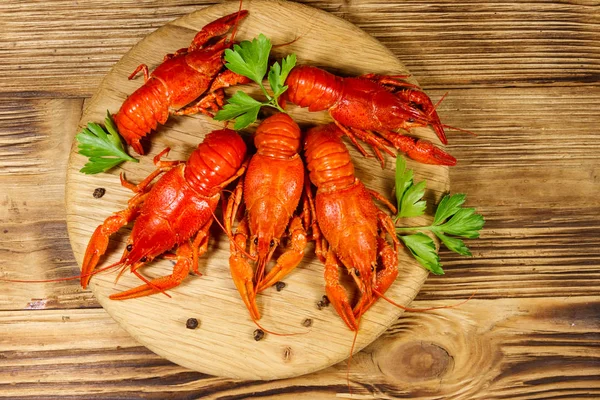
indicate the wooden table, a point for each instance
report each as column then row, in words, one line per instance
column 524, row 78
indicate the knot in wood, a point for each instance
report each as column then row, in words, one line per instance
column 416, row 361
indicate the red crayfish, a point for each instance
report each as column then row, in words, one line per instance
column 371, row 103
column 350, row 230
column 196, row 72
column 177, row 210
column 271, row 189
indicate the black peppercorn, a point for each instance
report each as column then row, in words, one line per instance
column 259, row 334
column 99, row 192
column 324, row 302
column 191, row 323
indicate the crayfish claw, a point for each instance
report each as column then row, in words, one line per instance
column 216, row 28
column 181, row 270
column 420, row 150
column 336, row 293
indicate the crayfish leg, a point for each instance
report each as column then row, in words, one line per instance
column 162, row 166
column 144, row 69
column 200, row 245
column 377, row 196
column 233, row 204
column 228, row 78
column 377, row 144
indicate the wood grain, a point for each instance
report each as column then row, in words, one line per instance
column 437, row 354
column 34, row 140
column 523, row 76
column 535, row 43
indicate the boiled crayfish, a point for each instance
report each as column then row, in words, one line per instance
column 193, row 73
column 271, row 190
column 177, row 210
column 350, row 230
column 371, row 103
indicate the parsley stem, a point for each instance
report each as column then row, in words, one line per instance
column 276, row 105
column 272, row 100
column 265, row 92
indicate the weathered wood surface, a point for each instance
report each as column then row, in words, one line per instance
column 523, row 77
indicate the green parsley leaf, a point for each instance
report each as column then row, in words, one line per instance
column 448, row 207
column 465, row 223
column 450, row 220
column 454, row 244
column 408, row 195
column 104, row 149
column 404, row 179
column 412, row 205
column 250, row 58
column 423, row 249
column 278, row 74
column 241, row 107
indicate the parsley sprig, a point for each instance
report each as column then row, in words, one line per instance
column 450, row 221
column 250, row 59
column 102, row 146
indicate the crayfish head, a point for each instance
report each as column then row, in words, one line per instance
column 367, row 283
column 263, row 245
column 364, row 277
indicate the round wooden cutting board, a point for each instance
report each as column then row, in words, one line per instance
column 224, row 344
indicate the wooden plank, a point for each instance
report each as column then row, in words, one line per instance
column 528, row 348
column 69, row 48
column 538, row 144
column 525, row 252
column 539, row 204
column 35, row 140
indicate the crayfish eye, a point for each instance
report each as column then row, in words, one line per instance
column 356, row 272
column 272, row 243
column 372, row 268
column 256, row 241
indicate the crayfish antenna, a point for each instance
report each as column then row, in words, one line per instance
column 69, row 278
column 448, row 126
column 140, row 276
column 351, row 354
column 236, row 23
column 410, row 309
column 277, row 333
column 149, row 283
column 244, row 252
column 434, row 109
column 288, row 43
column 459, row 129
